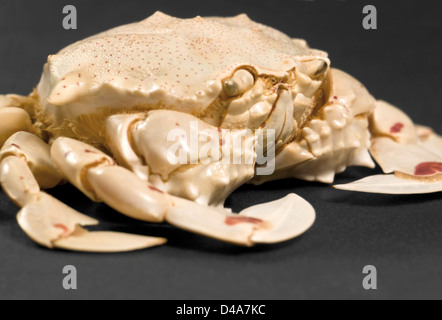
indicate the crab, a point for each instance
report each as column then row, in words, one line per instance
column 103, row 112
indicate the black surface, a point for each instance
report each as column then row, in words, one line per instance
column 400, row 235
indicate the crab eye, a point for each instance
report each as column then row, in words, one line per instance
column 241, row 81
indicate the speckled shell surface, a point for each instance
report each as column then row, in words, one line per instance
column 163, row 62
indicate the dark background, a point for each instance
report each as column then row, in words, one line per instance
column 400, row 235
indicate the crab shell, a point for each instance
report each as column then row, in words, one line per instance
column 160, row 63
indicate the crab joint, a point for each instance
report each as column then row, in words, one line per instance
column 241, row 81
column 74, row 158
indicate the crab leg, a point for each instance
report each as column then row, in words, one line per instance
column 12, row 119
column 43, row 218
column 37, row 155
column 268, row 223
column 98, row 177
column 134, row 197
column 411, row 155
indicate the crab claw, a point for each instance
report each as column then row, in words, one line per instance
column 267, row 223
column 413, row 154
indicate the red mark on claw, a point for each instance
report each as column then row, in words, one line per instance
column 397, row 128
column 16, row 146
column 231, row 221
column 62, row 227
column 89, row 151
column 428, row 168
column 155, row 189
